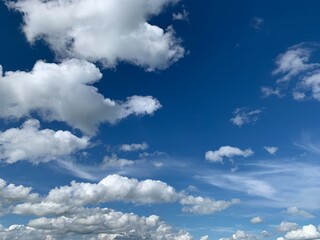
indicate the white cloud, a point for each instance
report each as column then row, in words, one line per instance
column 11, row 194
column 206, row 237
column 134, row 147
column 115, row 162
column 256, row 220
column 32, row 144
column 286, row 226
column 227, row 152
column 294, row 211
column 63, row 92
column 244, row 116
column 181, row 16
column 95, row 224
column 268, row 91
column 241, row 235
column 271, row 150
column 104, row 31
column 117, row 188
column 308, row 232
column 204, row 206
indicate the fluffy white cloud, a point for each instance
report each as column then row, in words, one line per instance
column 286, row 226
column 244, row 116
column 73, row 198
column 18, row 144
column 204, row 206
column 294, row 211
column 308, row 232
column 271, row 150
column 63, row 92
column 206, row 237
column 105, row 31
column 227, row 152
column 95, row 224
column 134, row 147
column 11, row 194
column 256, row 220
column 241, row 235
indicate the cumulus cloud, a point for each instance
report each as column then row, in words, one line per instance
column 227, row 152
column 308, row 232
column 18, row 144
column 95, row 224
column 294, row 211
column 117, row 188
column 256, row 220
column 104, row 31
column 241, row 235
column 244, row 116
column 11, row 194
column 134, row 147
column 286, row 226
column 63, row 92
column 271, row 150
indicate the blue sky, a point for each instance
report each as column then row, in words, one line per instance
column 162, row 119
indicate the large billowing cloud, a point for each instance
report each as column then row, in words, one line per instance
column 308, row 232
column 118, row 188
column 104, row 31
column 95, row 224
column 63, row 92
column 35, row 145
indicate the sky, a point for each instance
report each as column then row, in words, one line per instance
column 159, row 120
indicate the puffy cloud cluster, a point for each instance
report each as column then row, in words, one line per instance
column 244, row 116
column 308, row 232
column 95, row 224
column 104, row 31
column 227, row 152
column 64, row 92
column 286, row 226
column 35, row 145
column 241, row 235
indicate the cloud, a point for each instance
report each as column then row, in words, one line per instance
column 95, row 224
column 256, row 220
column 295, row 70
column 18, row 144
column 104, row 31
column 244, row 116
column 63, row 92
column 206, row 237
column 257, row 22
column 294, row 211
column 274, row 183
column 308, row 232
column 134, row 147
column 241, row 235
column 11, row 194
column 115, row 162
column 271, row 150
column 286, row 226
column 227, row 152
column 117, row 188
column 204, row 206
column 181, row 16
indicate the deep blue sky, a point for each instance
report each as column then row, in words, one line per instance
column 229, row 59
